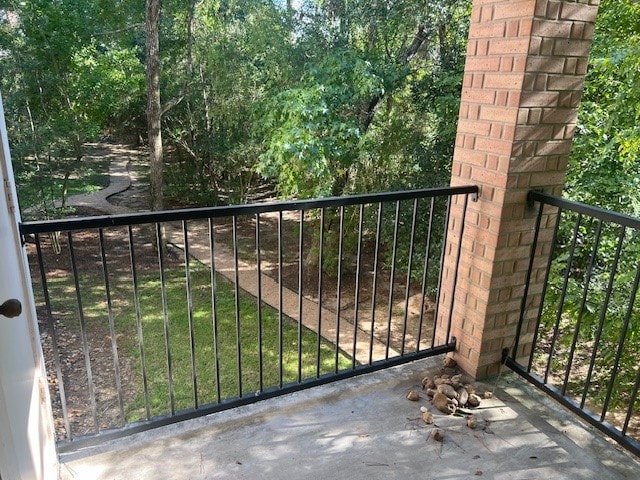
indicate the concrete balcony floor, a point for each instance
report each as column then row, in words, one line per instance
column 364, row 428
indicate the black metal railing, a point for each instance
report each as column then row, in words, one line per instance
column 151, row 318
column 578, row 338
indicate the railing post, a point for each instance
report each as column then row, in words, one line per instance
column 27, row 445
column 524, row 73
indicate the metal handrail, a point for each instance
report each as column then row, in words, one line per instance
column 589, row 210
column 423, row 225
column 575, row 237
column 101, row 221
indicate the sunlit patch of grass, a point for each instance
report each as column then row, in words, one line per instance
column 199, row 374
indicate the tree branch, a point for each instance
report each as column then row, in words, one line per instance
column 135, row 26
column 174, row 101
column 419, row 38
column 183, row 89
column 402, row 59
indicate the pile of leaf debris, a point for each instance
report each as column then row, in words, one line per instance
column 450, row 392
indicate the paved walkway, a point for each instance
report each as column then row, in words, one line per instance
column 270, row 294
column 120, row 181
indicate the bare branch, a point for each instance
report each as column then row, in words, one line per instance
column 173, row 102
column 120, row 30
column 419, row 38
column 403, row 59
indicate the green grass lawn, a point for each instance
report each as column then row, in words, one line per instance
column 209, row 371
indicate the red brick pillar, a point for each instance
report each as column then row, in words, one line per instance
column 524, row 73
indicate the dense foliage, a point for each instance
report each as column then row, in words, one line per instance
column 321, row 97
column 596, row 282
column 64, row 78
column 604, row 167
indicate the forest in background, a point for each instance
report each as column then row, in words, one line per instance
column 321, row 97
column 318, row 97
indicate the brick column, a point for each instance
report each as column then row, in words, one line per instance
column 524, row 73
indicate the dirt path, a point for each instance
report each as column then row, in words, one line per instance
column 115, row 199
column 120, row 158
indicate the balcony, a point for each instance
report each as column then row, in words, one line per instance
column 204, row 343
column 238, row 304
column 228, row 349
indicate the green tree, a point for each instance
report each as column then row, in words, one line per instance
column 604, row 166
column 154, row 107
column 242, row 53
column 66, row 79
column 359, row 107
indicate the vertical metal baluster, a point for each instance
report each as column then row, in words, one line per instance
column 214, row 308
column 527, row 283
column 54, row 338
column 445, row 239
column 320, row 267
column 583, row 302
column 456, row 270
column 300, row 261
column 392, row 275
column 632, row 401
column 603, row 315
column 259, row 305
column 357, row 286
column 374, row 290
column 112, row 327
column 83, row 334
column 280, row 314
column 563, row 293
column 623, row 335
column 339, row 290
column 237, row 304
column 136, row 300
column 409, row 268
column 552, row 248
column 165, row 310
column 192, row 340
column 425, row 273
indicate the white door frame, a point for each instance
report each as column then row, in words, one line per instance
column 27, row 442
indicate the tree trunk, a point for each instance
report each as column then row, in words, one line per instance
column 402, row 58
column 154, row 108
